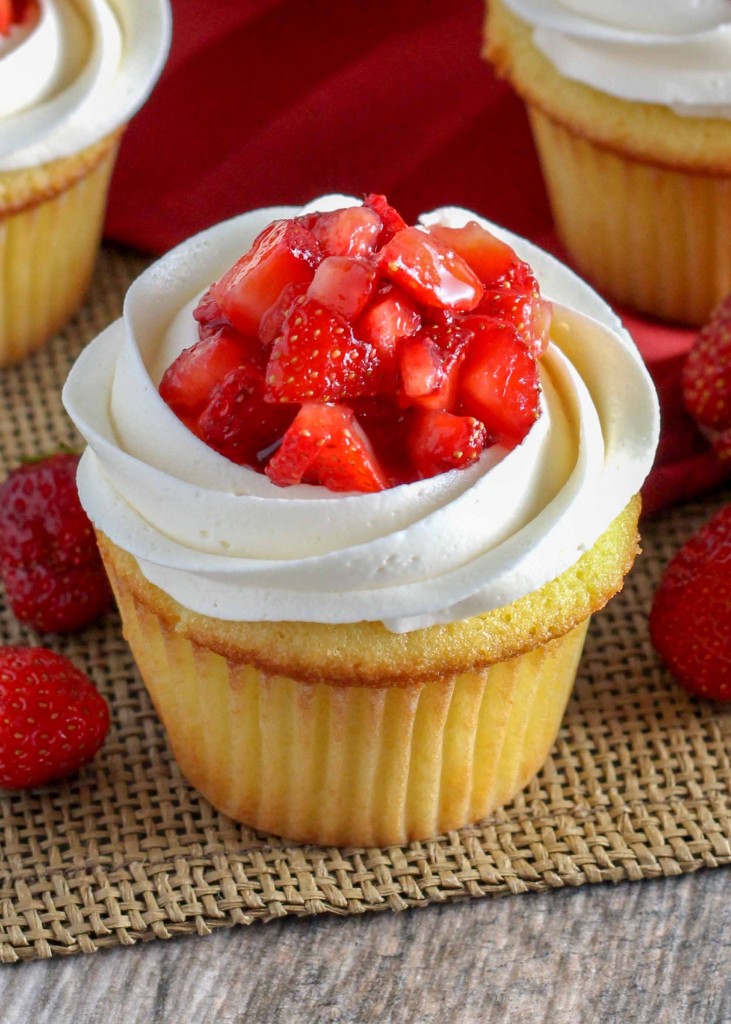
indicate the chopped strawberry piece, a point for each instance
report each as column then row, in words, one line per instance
column 353, row 231
column 391, row 316
column 499, row 381
column 187, row 384
column 317, row 357
column 429, row 271
column 284, row 252
column 387, row 426
column 492, row 260
column 420, row 362
column 208, row 314
column 6, row 16
column 326, row 445
column 449, row 338
column 527, row 310
column 239, row 423
column 440, row 441
column 391, row 219
column 344, row 284
column 271, row 322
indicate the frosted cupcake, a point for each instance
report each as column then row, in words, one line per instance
column 630, row 106
column 71, row 75
column 374, row 667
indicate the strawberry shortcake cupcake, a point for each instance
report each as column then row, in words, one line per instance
column 72, row 73
column 359, row 486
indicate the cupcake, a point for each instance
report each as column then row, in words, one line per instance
column 630, row 107
column 365, row 632
column 71, row 76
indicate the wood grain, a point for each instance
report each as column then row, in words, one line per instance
column 654, row 951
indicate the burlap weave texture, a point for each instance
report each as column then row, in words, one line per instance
column 637, row 786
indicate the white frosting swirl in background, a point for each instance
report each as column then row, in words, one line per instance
column 673, row 52
column 226, row 542
column 82, row 70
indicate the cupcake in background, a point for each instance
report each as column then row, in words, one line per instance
column 71, row 75
column 630, row 106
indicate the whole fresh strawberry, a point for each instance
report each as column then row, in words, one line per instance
column 49, row 560
column 690, row 620
column 706, row 380
column 52, row 718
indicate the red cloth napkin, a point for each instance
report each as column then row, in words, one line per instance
column 265, row 103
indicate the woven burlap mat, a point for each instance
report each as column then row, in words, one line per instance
column 638, row 784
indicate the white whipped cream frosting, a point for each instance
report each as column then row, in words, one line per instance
column 673, row 52
column 76, row 73
column 224, row 541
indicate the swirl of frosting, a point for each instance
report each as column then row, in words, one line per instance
column 76, row 72
column 226, row 542
column 669, row 52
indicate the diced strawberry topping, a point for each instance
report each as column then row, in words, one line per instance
column 440, row 441
column 344, row 284
column 493, row 260
column 208, row 315
column 429, row 271
column 353, row 231
column 450, row 339
column 284, row 252
column 391, row 219
column 318, row 358
column 499, row 381
column 271, row 322
column 391, row 316
column 349, row 350
column 420, row 362
column 187, row 384
column 12, row 12
column 239, row 423
column 326, row 445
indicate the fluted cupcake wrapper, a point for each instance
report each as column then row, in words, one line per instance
column 649, row 236
column 351, row 765
column 50, row 225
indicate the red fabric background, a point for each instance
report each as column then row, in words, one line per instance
column 265, row 102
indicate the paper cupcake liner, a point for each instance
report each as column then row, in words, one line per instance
column 649, row 236
column 350, row 765
column 50, row 226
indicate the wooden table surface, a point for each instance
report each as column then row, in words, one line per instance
column 656, row 951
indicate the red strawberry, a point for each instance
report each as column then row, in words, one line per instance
column 343, row 284
column 706, row 376
column 391, row 219
column 499, row 381
column 352, row 231
column 440, row 441
column 420, row 363
column 52, row 718
column 239, row 423
column 187, row 383
column 53, row 573
column 326, row 445
column 284, row 253
column 494, row 261
column 317, row 357
column 6, row 16
column 271, row 322
column 208, row 314
column 690, row 620
column 387, row 427
column 448, row 341
column 430, row 271
column 720, row 440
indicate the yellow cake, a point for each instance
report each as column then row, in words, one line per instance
column 59, row 137
column 357, row 668
column 641, row 194
column 351, row 734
